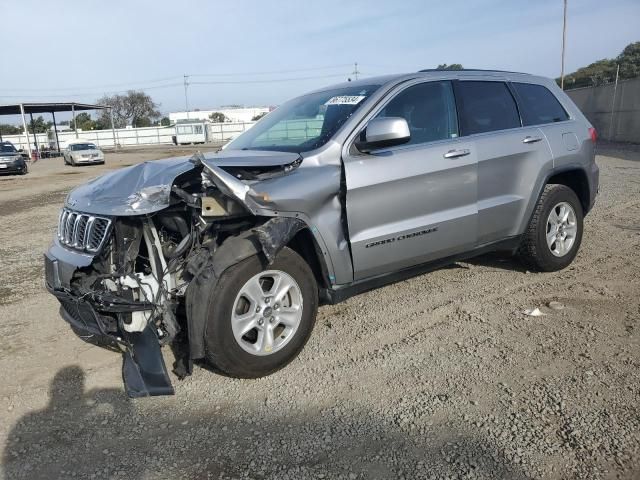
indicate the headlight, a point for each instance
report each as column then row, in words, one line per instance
column 148, row 197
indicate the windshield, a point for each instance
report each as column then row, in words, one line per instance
column 83, row 146
column 304, row 123
column 7, row 148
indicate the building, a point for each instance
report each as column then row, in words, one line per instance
column 233, row 114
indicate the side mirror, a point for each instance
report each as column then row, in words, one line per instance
column 383, row 132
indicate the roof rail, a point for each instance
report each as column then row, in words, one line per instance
column 466, row 70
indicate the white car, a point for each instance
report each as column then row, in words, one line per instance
column 82, row 152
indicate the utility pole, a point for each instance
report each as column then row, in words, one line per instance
column 564, row 41
column 186, row 98
column 355, row 72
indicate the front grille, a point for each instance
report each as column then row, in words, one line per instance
column 81, row 231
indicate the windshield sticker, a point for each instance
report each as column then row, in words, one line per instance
column 346, row 100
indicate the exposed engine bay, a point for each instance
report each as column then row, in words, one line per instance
column 147, row 278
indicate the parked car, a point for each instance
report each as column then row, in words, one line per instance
column 336, row 192
column 11, row 160
column 82, row 152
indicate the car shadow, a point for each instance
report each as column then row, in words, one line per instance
column 498, row 261
column 102, row 434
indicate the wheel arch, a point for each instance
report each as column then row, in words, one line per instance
column 576, row 179
column 266, row 240
column 305, row 245
column 572, row 176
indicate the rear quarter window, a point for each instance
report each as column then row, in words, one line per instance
column 538, row 105
column 486, row 107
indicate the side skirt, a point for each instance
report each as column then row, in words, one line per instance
column 339, row 294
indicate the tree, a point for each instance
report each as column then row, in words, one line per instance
column 143, row 122
column 453, row 66
column 217, row 117
column 258, row 117
column 39, row 125
column 629, row 61
column 136, row 108
column 84, row 122
column 165, row 122
column 604, row 71
column 7, row 129
column 597, row 73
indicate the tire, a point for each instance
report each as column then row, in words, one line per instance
column 535, row 251
column 224, row 351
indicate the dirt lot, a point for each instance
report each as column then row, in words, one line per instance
column 441, row 376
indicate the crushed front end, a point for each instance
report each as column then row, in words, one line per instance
column 122, row 275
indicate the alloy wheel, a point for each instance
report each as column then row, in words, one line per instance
column 267, row 312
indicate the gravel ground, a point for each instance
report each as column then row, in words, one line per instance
column 440, row 376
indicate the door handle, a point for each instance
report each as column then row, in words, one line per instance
column 456, row 153
column 531, row 139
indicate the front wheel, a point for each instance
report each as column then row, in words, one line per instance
column 259, row 318
column 554, row 234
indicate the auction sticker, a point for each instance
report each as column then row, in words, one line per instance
column 346, row 100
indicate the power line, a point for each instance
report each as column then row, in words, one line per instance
column 146, row 82
column 270, row 80
column 185, row 84
column 273, row 72
column 87, row 94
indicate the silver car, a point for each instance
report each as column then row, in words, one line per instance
column 81, row 152
column 227, row 256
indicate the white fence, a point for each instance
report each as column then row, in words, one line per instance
column 126, row 137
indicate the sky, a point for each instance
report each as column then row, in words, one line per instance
column 252, row 52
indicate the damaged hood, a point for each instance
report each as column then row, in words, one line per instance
column 146, row 187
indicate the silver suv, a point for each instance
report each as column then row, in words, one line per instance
column 227, row 256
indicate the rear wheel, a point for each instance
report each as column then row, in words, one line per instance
column 259, row 319
column 553, row 237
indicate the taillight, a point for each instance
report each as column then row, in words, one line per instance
column 593, row 134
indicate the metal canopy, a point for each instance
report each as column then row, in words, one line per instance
column 23, row 109
column 48, row 108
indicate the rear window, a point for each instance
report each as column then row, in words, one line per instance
column 486, row 107
column 538, row 105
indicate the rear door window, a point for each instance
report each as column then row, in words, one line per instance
column 429, row 109
column 538, row 105
column 485, row 107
